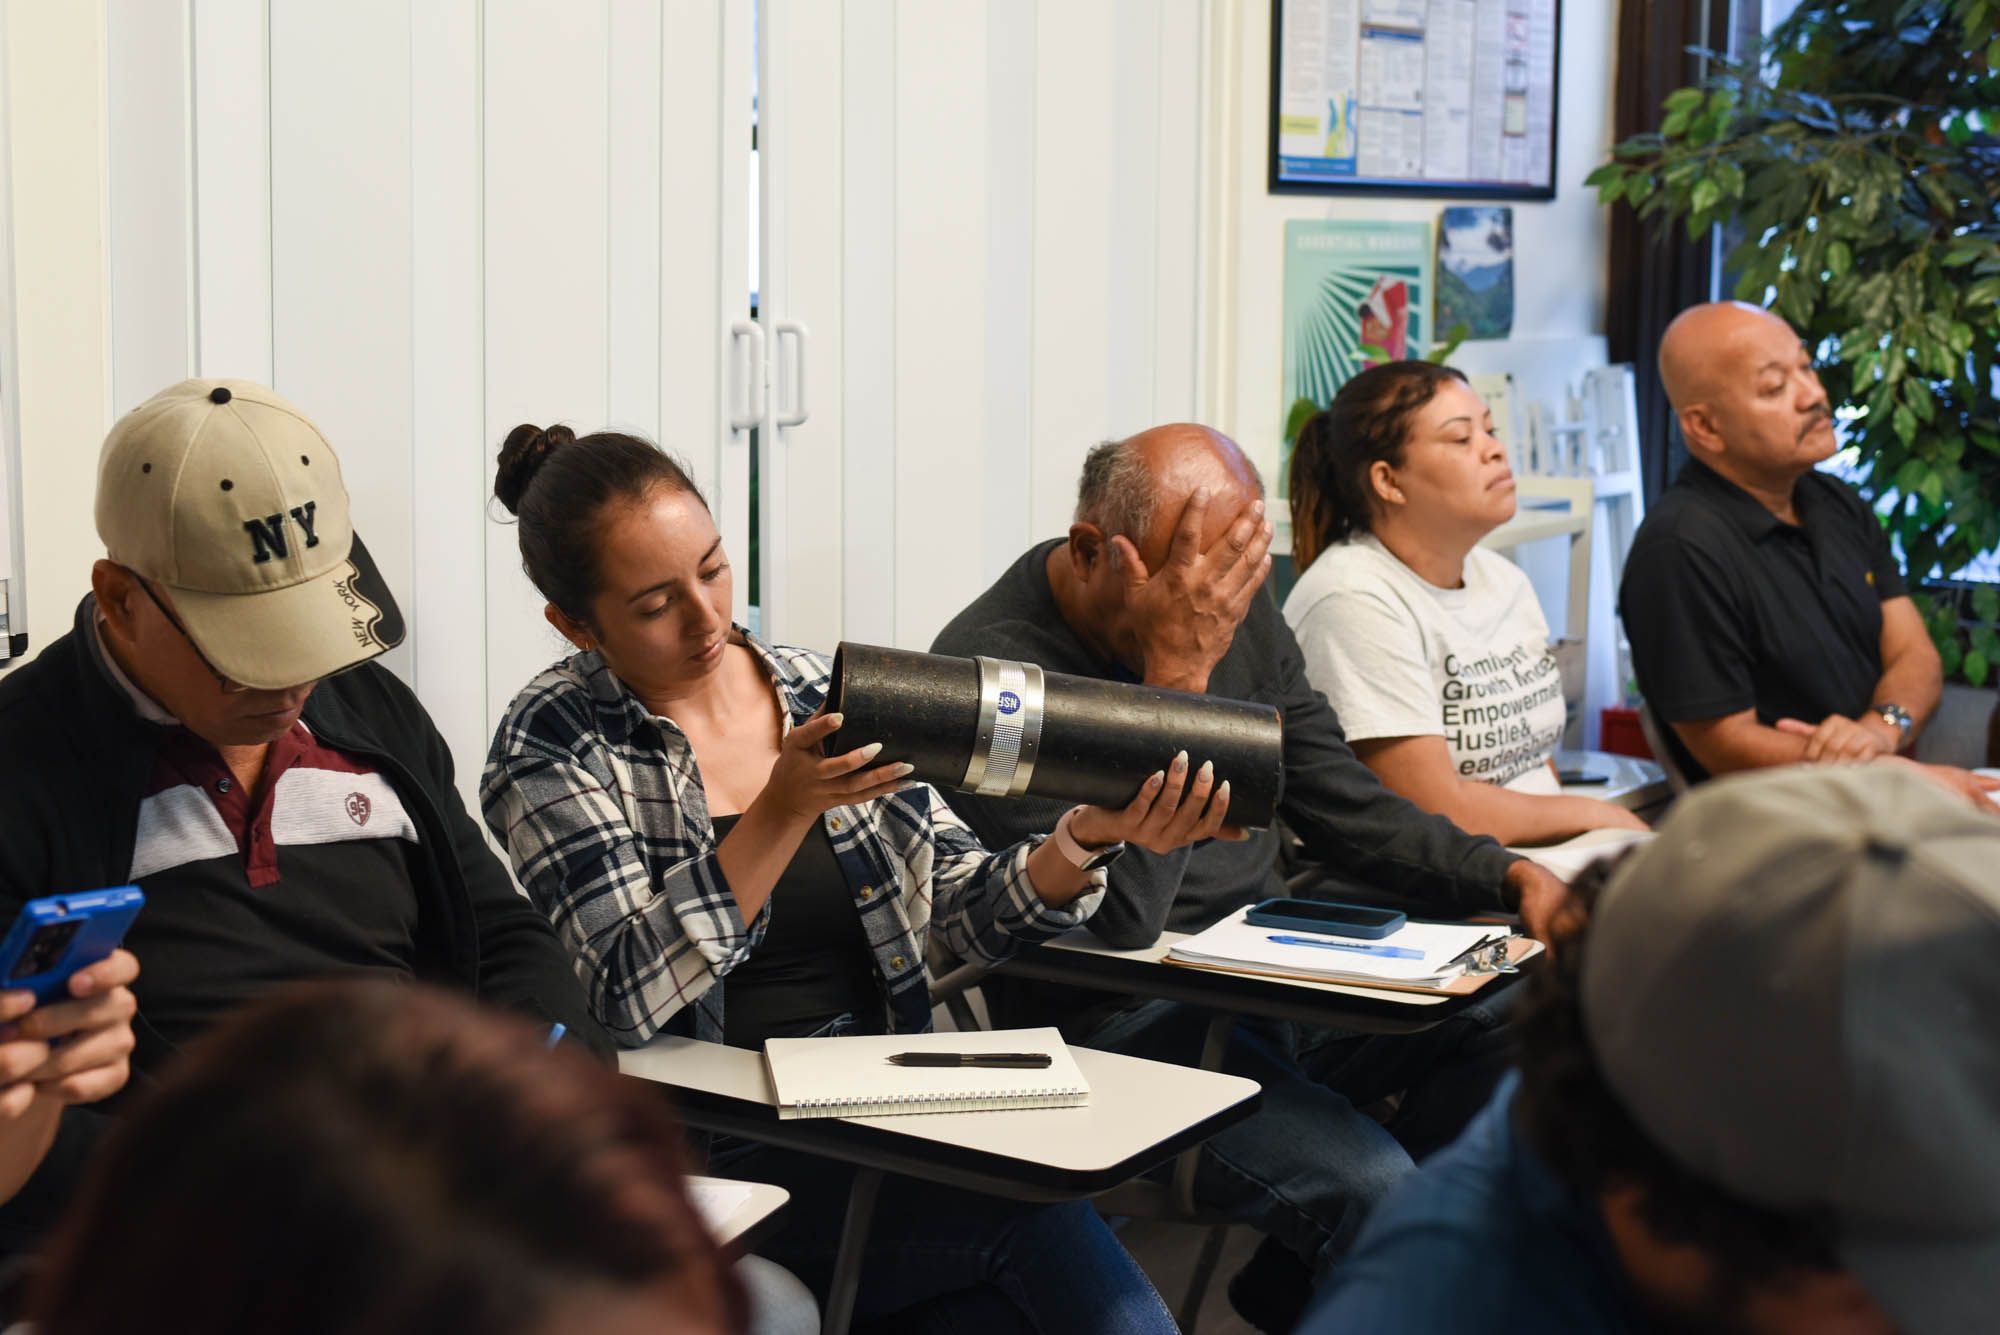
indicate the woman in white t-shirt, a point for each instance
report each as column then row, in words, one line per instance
column 1431, row 649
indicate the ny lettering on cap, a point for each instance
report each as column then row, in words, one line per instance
column 225, row 494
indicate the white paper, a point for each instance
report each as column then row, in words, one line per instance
column 1235, row 943
column 1567, row 859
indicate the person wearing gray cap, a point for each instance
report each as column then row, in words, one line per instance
column 215, row 729
column 1759, row 1089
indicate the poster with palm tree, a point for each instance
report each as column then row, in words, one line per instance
column 1356, row 293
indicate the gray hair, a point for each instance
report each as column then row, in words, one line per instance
column 1116, row 492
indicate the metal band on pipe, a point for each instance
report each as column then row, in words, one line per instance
column 1010, row 728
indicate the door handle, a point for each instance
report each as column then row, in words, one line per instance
column 800, row 336
column 748, row 407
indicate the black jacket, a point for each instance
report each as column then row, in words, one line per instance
column 75, row 761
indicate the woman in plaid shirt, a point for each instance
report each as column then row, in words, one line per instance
column 662, row 872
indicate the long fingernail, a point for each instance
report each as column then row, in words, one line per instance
column 905, row 768
column 1207, row 771
column 1180, row 762
column 1159, row 777
column 836, row 719
column 1223, row 791
column 870, row 751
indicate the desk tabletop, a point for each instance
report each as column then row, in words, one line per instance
column 1080, row 960
column 738, row 1214
column 1634, row 783
column 1140, row 1113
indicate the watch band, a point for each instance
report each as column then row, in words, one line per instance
column 1896, row 717
column 1076, row 854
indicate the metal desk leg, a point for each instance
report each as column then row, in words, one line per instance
column 847, row 1261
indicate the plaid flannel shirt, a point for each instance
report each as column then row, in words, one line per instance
column 600, row 806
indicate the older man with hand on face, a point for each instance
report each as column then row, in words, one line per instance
column 1769, row 621
column 1159, row 581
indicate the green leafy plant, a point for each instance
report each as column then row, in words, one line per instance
column 1856, row 170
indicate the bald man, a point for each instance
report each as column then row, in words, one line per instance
column 1160, row 580
column 1768, row 619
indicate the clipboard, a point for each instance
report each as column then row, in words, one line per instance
column 1520, row 949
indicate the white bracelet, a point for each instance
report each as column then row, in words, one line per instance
column 1076, row 854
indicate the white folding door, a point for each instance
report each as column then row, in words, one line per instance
column 980, row 222
column 426, row 221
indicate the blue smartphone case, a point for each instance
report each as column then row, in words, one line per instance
column 1278, row 913
column 76, row 931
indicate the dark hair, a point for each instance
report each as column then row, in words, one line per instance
column 1578, row 1125
column 1369, row 419
column 558, row 484
column 379, row 1157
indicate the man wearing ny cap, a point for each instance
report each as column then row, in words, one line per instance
column 213, row 730
column 1759, row 1091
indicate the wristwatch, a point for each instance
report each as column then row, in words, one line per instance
column 1078, row 856
column 1898, row 718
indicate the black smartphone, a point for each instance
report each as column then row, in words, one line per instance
column 1320, row 915
column 1575, row 776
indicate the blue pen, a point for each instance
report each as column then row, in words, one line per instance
column 1358, row 947
column 556, row 1032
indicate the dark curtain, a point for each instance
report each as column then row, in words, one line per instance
column 1656, row 273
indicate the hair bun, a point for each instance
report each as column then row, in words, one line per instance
column 522, row 455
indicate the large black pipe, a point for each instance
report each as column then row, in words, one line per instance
column 1005, row 728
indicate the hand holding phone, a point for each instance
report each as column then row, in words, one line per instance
column 66, row 1004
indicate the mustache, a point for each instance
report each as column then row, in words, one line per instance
column 1819, row 415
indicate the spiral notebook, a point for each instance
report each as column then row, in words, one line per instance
column 853, row 1077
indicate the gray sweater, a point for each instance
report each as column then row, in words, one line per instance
column 1340, row 811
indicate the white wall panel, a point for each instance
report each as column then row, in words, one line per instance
column 1082, row 254
column 232, row 194
column 632, row 141
column 546, row 257
column 1134, row 216
column 340, row 256
column 447, row 603
column 147, row 205
column 802, row 280
column 867, row 319
column 1013, row 191
column 941, row 309
column 699, row 174
column 1176, row 211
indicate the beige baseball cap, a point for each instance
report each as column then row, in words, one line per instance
column 224, row 494
column 1795, row 991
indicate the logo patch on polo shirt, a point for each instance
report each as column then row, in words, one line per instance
column 357, row 808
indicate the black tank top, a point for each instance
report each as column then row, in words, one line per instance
column 814, row 963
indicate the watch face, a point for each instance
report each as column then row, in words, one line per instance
column 1104, row 859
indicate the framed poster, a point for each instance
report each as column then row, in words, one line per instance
column 1353, row 291
column 1433, row 97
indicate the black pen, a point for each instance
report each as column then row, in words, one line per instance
column 1023, row 1060
column 1469, row 955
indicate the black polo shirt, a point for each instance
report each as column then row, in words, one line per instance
column 1728, row 608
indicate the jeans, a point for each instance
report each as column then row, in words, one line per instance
column 1310, row 1166
column 943, row 1261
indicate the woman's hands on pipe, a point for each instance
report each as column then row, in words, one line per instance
column 1171, row 810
